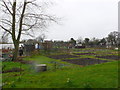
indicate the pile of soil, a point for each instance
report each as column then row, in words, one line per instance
column 85, row 61
column 62, row 56
column 13, row 70
column 84, row 53
column 113, row 57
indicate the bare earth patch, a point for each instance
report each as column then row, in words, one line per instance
column 24, row 62
column 85, row 61
column 13, row 70
column 84, row 53
column 113, row 57
column 20, row 60
column 62, row 56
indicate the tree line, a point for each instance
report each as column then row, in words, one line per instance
column 112, row 40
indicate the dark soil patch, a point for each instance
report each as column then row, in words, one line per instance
column 85, row 61
column 113, row 57
column 24, row 62
column 13, row 70
column 84, row 53
column 62, row 56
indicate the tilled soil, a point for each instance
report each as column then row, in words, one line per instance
column 85, row 61
column 112, row 57
column 13, row 70
column 84, row 53
column 62, row 56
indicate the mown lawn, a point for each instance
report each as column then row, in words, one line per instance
column 94, row 76
column 60, row 74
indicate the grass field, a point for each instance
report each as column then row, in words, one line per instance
column 62, row 74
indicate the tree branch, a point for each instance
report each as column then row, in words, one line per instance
column 6, row 23
column 7, row 7
column 29, row 26
column 27, row 34
column 6, row 20
column 42, row 17
column 21, row 19
column 5, row 29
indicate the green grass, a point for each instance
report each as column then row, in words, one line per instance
column 95, row 76
column 9, row 65
column 65, row 75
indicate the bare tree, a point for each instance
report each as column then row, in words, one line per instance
column 23, row 17
column 80, row 40
column 41, row 37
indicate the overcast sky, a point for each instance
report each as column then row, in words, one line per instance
column 83, row 18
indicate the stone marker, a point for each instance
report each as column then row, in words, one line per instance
column 40, row 67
